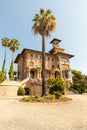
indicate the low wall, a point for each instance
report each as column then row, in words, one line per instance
column 35, row 86
column 10, row 91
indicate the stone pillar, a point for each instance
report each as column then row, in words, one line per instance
column 29, row 73
column 39, row 74
column 53, row 74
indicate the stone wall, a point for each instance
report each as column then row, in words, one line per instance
column 35, row 86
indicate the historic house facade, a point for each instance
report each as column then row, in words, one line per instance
column 57, row 63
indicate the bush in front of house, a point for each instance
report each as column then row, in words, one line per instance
column 37, row 96
column 51, row 97
column 57, row 86
column 58, row 94
column 21, row 91
column 39, row 99
column 28, row 98
column 31, row 98
column 55, row 90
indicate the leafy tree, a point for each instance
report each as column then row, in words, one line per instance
column 44, row 24
column 6, row 44
column 79, row 81
column 1, row 76
column 57, row 86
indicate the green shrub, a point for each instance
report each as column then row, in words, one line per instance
column 51, row 97
column 57, row 91
column 1, row 77
column 21, row 91
column 57, row 86
column 37, row 96
column 39, row 99
column 27, row 99
column 32, row 98
column 58, row 94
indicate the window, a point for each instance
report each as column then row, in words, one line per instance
column 64, row 59
column 36, row 57
column 48, row 58
column 31, row 56
column 40, row 57
column 52, row 66
column 66, row 74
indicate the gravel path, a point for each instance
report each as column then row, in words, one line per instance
column 72, row 115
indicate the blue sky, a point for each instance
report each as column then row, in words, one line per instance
column 16, row 22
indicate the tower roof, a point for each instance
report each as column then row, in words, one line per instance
column 55, row 41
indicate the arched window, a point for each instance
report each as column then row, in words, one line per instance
column 32, row 74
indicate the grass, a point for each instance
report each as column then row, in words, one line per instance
column 48, row 99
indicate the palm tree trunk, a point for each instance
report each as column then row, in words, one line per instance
column 43, row 67
column 5, row 54
column 12, row 69
column 4, row 62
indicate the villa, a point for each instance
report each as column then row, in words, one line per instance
column 57, row 63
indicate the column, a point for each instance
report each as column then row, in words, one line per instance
column 29, row 73
column 39, row 74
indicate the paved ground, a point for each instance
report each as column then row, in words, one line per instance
column 72, row 115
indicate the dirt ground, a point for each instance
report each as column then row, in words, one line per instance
column 71, row 115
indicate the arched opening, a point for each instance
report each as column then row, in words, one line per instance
column 48, row 74
column 57, row 74
column 27, row 91
column 32, row 74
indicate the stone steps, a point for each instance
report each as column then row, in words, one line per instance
column 10, row 83
column 70, row 92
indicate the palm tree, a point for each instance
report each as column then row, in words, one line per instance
column 44, row 24
column 6, row 44
column 14, row 45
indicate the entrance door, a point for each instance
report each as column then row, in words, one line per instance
column 56, row 74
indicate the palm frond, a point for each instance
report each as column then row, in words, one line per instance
column 14, row 45
column 44, row 23
column 48, row 11
column 5, row 42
